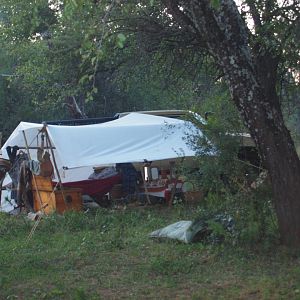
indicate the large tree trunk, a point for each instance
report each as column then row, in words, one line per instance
column 251, row 75
column 260, row 108
column 277, row 148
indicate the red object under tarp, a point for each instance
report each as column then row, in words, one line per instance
column 95, row 186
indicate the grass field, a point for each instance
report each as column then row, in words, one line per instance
column 106, row 254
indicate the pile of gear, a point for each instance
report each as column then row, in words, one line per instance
column 20, row 169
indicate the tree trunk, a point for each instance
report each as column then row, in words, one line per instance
column 252, row 85
column 265, row 122
column 251, row 74
column 284, row 169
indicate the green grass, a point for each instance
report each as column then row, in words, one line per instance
column 107, row 255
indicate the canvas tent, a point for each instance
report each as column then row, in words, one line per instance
column 133, row 138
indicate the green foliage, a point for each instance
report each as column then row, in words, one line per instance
column 121, row 40
column 22, row 20
column 252, row 213
column 93, row 52
column 255, row 215
column 221, row 170
column 216, row 228
column 215, row 4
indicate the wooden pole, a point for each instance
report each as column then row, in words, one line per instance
column 34, row 148
column 54, row 162
column 33, row 176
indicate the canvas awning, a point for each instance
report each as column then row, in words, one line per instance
column 133, row 138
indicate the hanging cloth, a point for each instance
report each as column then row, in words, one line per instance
column 46, row 167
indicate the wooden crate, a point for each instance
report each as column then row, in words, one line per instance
column 42, row 194
column 53, row 201
column 42, row 183
column 45, row 199
column 72, row 197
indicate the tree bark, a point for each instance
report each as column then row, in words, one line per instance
column 264, row 119
column 251, row 75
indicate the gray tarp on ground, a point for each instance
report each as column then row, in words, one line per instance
column 197, row 230
column 184, row 231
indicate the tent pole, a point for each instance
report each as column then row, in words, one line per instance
column 176, row 176
column 54, row 162
column 33, row 147
column 33, row 176
column 145, row 186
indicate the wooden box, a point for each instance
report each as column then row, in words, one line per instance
column 53, row 201
column 72, row 197
column 46, row 199
column 43, row 194
column 42, row 183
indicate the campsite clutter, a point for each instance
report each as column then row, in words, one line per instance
column 31, row 186
column 52, row 167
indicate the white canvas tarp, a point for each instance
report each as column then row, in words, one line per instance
column 133, row 138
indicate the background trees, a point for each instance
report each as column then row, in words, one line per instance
column 103, row 55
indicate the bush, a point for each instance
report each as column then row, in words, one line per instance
column 225, row 180
column 254, row 219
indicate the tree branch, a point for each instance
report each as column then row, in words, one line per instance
column 269, row 7
column 178, row 15
column 255, row 14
